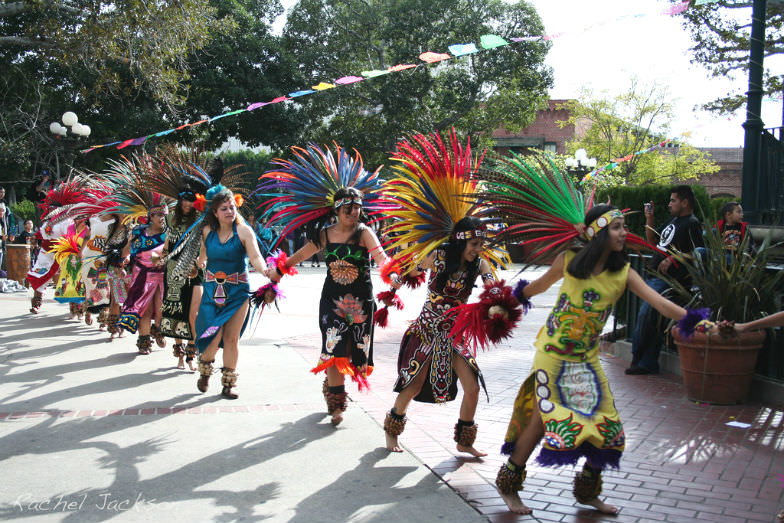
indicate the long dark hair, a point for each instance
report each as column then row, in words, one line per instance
column 586, row 258
column 182, row 218
column 454, row 253
column 314, row 228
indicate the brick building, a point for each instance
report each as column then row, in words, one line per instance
column 727, row 181
column 544, row 133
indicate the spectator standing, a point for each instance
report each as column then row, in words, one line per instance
column 27, row 236
column 683, row 233
column 38, row 190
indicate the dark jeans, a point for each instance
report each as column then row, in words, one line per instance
column 648, row 335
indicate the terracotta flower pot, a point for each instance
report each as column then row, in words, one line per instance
column 716, row 369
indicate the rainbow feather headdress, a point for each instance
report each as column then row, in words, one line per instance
column 540, row 205
column 301, row 191
column 431, row 190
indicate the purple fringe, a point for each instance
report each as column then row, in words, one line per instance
column 598, row 458
column 507, row 448
column 687, row 324
column 518, row 293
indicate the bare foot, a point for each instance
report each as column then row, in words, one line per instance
column 603, row 507
column 392, row 444
column 472, row 451
column 337, row 417
column 190, row 366
column 515, row 504
column 181, row 362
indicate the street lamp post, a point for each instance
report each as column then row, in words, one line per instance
column 580, row 164
column 70, row 120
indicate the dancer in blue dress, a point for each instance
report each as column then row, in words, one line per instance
column 228, row 244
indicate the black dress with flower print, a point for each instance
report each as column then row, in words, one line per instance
column 346, row 308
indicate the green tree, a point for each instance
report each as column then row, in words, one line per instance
column 133, row 45
column 613, row 127
column 721, row 36
column 240, row 67
column 475, row 93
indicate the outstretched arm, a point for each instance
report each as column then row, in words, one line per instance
column 667, row 308
column 774, row 320
column 546, row 280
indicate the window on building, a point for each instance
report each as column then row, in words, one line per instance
column 550, row 147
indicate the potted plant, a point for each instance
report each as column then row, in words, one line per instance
column 737, row 286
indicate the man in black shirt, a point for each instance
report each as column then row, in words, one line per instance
column 682, row 233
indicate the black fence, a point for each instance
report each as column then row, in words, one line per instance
column 770, row 186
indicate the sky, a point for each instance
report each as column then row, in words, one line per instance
column 598, row 51
column 653, row 48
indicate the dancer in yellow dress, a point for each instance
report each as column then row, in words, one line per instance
column 566, row 402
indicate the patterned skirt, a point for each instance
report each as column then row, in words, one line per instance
column 577, row 410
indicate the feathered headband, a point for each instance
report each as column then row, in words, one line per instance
column 540, row 205
column 302, row 190
column 429, row 193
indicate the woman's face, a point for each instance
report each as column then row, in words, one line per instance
column 28, row 226
column 226, row 212
column 617, row 234
column 472, row 249
column 186, row 206
column 157, row 219
column 349, row 214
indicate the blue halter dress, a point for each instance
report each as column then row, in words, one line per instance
column 225, row 286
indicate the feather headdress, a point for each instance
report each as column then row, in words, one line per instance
column 540, row 204
column 301, row 191
column 181, row 170
column 429, row 193
column 61, row 202
column 125, row 180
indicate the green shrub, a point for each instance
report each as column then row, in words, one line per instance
column 23, row 210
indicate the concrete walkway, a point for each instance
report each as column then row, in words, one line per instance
column 91, row 432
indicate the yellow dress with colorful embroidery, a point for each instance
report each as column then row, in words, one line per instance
column 567, row 381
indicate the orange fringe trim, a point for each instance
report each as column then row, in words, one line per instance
column 346, row 368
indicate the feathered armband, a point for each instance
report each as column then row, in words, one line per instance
column 489, row 320
column 520, row 296
column 387, row 298
column 388, row 268
column 688, row 325
column 278, row 260
column 411, row 281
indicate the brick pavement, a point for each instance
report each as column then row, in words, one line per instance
column 682, row 463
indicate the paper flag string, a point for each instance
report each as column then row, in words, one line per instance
column 492, row 41
column 348, row 80
column 400, row 67
column 462, row 49
column 374, row 73
column 432, row 58
column 487, row 42
column 297, row 94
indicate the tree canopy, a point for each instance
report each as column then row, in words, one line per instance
column 611, row 127
column 721, row 36
column 475, row 93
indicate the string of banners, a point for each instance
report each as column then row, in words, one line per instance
column 487, row 42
